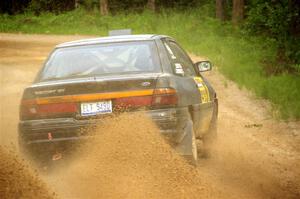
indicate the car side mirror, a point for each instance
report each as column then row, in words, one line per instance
column 203, row 66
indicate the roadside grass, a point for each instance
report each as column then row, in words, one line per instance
column 238, row 55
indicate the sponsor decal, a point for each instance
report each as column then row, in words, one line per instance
column 145, row 84
column 179, row 69
column 202, row 89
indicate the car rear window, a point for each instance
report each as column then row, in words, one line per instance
column 101, row 59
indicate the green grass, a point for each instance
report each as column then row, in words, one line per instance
column 237, row 54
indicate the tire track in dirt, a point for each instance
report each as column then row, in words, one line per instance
column 250, row 160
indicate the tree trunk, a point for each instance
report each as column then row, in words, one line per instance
column 151, row 5
column 237, row 11
column 104, row 7
column 76, row 4
column 220, row 10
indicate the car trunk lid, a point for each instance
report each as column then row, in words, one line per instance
column 64, row 98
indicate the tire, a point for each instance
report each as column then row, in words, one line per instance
column 194, row 157
column 211, row 135
column 187, row 145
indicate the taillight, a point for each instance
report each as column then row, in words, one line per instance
column 130, row 102
column 30, row 109
column 164, row 97
column 159, row 97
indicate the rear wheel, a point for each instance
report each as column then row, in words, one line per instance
column 187, row 145
column 211, row 135
column 194, row 149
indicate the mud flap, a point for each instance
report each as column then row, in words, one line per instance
column 185, row 141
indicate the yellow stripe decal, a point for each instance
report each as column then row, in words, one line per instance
column 90, row 97
column 203, row 89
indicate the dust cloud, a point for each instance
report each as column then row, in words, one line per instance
column 129, row 158
column 18, row 180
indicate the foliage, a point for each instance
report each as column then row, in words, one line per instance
column 115, row 6
column 279, row 20
column 13, row 6
column 55, row 6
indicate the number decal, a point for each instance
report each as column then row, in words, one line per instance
column 203, row 89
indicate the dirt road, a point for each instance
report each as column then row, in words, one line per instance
column 255, row 156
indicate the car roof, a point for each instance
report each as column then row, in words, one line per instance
column 110, row 39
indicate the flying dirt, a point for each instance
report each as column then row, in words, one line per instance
column 17, row 180
column 255, row 155
column 135, row 162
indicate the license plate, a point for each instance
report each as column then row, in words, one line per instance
column 95, row 108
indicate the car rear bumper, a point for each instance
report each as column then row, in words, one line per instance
column 69, row 129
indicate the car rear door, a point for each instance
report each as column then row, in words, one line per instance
column 184, row 74
column 191, row 87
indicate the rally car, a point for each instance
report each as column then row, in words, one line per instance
column 82, row 81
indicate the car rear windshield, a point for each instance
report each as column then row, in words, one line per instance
column 101, row 59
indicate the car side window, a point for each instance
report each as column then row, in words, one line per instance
column 180, row 60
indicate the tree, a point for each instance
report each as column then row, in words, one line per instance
column 237, row 11
column 76, row 5
column 151, row 5
column 104, row 7
column 220, row 10
column 280, row 21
